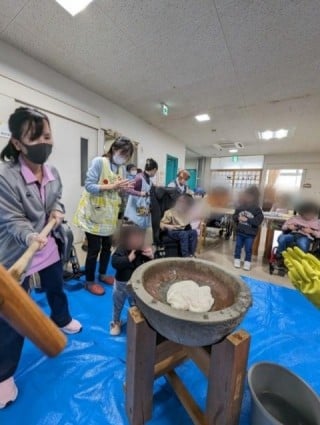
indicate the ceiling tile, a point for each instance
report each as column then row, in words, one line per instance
column 145, row 20
column 8, row 10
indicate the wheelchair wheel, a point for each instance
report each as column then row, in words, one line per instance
column 271, row 268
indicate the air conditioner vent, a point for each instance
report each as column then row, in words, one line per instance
column 221, row 146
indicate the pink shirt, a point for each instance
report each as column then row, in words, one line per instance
column 49, row 254
column 298, row 221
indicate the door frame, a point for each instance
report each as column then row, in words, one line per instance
column 175, row 161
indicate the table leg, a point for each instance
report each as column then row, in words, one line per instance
column 227, row 374
column 141, row 351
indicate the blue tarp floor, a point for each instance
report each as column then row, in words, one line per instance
column 84, row 385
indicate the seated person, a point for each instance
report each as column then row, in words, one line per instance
column 176, row 221
column 301, row 229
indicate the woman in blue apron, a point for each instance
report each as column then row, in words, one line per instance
column 138, row 209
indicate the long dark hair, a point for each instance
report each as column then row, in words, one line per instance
column 22, row 121
column 122, row 144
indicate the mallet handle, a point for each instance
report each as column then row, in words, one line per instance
column 23, row 314
column 20, row 266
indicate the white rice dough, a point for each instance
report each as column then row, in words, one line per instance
column 188, row 295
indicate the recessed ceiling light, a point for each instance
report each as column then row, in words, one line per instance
column 281, row 134
column 233, row 150
column 276, row 134
column 74, row 6
column 202, row 117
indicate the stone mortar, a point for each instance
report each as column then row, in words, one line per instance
column 151, row 282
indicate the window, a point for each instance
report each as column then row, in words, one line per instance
column 287, row 180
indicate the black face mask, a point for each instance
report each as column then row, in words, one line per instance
column 38, row 154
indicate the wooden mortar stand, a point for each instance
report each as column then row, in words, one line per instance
column 150, row 356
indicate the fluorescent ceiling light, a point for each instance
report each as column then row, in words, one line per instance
column 233, row 150
column 276, row 134
column 266, row 135
column 202, row 117
column 74, row 6
column 281, row 134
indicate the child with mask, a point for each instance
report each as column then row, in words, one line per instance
column 131, row 171
column 130, row 253
column 30, row 196
column 98, row 210
column 248, row 217
column 176, row 221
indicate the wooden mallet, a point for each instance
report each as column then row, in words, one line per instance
column 21, row 312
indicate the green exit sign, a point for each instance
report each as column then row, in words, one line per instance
column 235, row 158
column 164, row 109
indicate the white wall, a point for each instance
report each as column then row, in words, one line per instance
column 244, row 162
column 191, row 163
column 27, row 80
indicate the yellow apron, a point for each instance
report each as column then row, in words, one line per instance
column 98, row 214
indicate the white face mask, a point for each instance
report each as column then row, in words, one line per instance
column 118, row 159
column 133, row 173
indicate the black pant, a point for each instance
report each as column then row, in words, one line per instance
column 97, row 244
column 11, row 342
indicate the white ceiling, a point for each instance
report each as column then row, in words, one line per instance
column 251, row 64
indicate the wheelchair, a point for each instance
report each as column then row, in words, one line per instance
column 162, row 199
column 277, row 265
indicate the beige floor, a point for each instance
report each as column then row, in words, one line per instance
column 221, row 252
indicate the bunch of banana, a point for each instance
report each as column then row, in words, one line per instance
column 304, row 273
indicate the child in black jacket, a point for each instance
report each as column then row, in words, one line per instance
column 248, row 217
column 128, row 256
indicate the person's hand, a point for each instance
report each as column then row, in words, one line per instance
column 35, row 237
column 243, row 219
column 58, row 216
column 307, row 230
column 171, row 227
column 123, row 184
column 148, row 252
column 143, row 194
column 132, row 256
column 291, row 227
